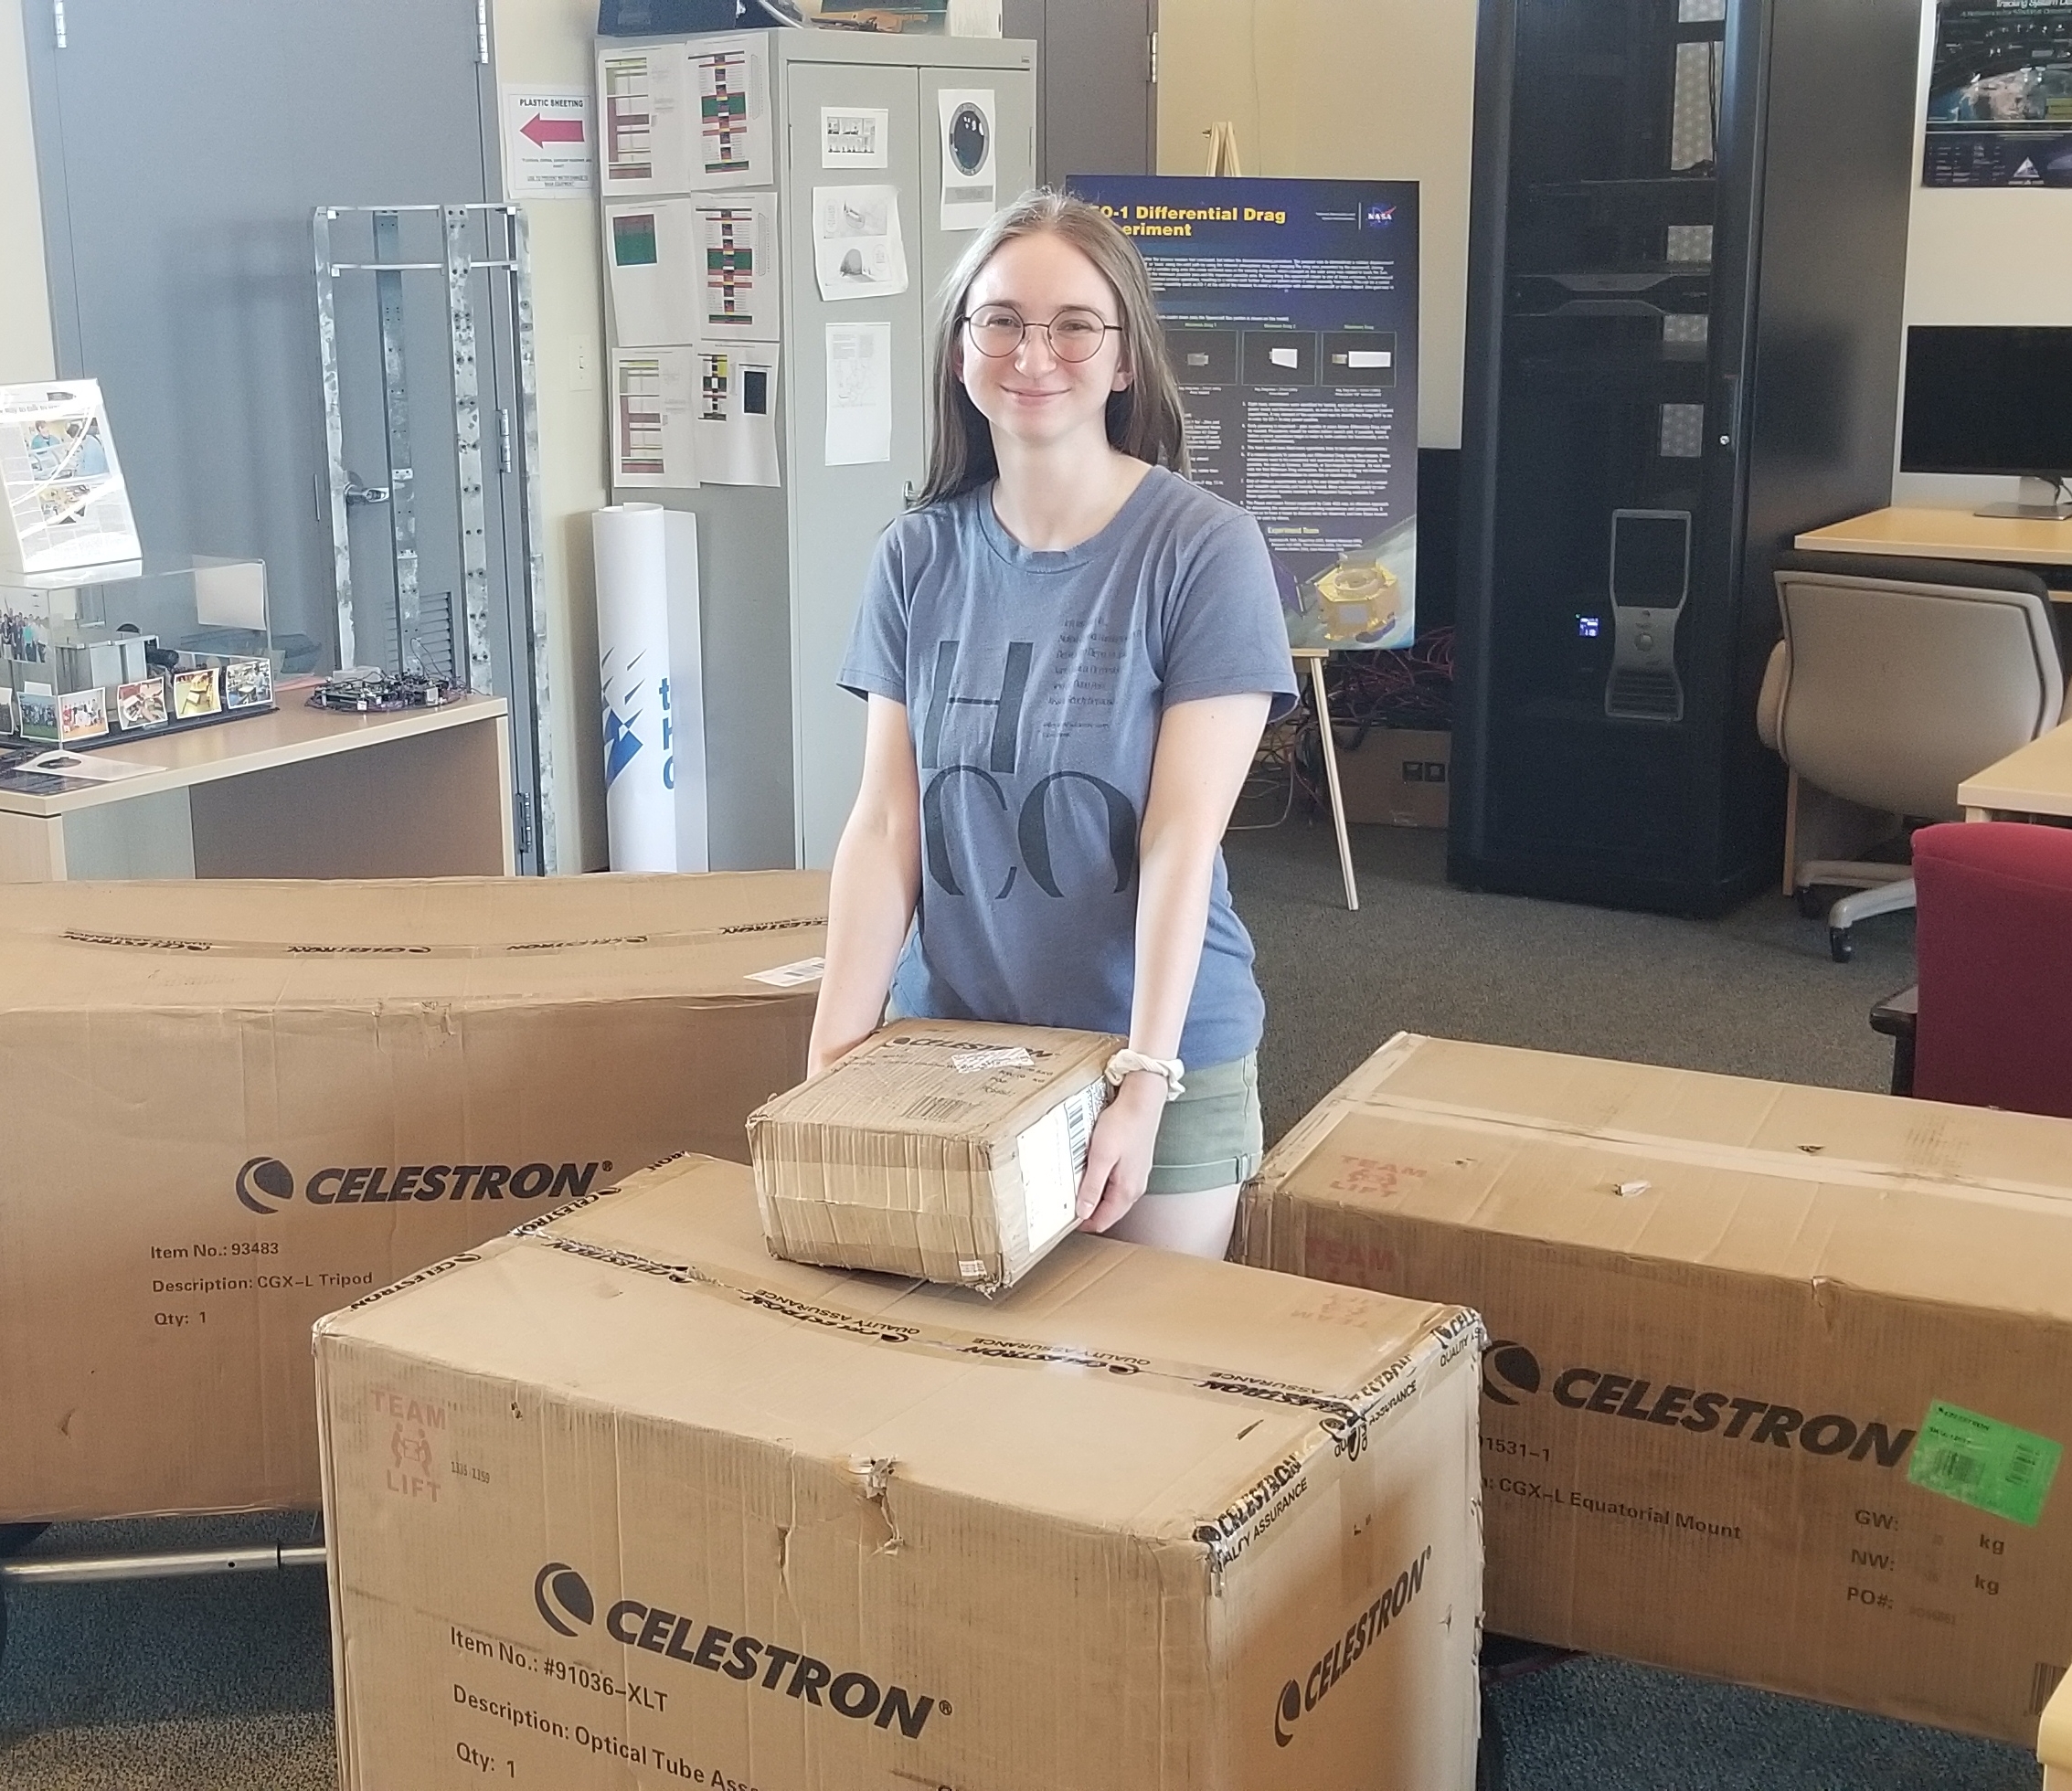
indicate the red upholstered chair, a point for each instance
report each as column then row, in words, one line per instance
column 1993, row 939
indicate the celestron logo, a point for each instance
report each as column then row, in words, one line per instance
column 1299, row 1697
column 265, row 1184
column 1511, row 1374
column 1508, row 1371
column 569, row 1593
column 563, row 1599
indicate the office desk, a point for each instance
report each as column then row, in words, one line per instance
column 1915, row 532
column 2035, row 780
column 298, row 794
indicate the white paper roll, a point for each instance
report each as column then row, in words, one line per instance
column 630, row 543
column 686, row 693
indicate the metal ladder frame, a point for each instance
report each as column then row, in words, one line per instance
column 518, row 448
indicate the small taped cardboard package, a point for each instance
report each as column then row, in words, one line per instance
column 1778, row 1388
column 236, row 1106
column 620, row 1501
column 948, row 1149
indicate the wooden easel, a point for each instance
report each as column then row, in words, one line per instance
column 1314, row 658
column 1223, row 160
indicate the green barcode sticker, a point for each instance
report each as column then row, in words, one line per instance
column 1983, row 1462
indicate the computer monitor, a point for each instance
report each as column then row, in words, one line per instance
column 1991, row 401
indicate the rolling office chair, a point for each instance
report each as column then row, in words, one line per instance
column 1897, row 680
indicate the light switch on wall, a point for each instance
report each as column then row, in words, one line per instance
column 582, row 364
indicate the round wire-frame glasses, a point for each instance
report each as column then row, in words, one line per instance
column 1074, row 335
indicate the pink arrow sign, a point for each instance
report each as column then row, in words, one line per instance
column 545, row 131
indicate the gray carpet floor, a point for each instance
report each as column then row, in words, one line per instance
column 224, row 1684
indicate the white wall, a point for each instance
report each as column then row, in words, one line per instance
column 24, row 296
column 1375, row 89
column 549, row 41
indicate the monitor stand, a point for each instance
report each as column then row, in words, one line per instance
column 2029, row 513
column 2057, row 509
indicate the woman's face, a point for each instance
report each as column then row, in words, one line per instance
column 1032, row 392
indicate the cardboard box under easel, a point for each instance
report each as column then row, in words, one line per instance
column 1397, row 777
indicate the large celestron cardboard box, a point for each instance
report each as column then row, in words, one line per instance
column 234, row 1106
column 621, row 1500
column 1779, row 1375
column 949, row 1150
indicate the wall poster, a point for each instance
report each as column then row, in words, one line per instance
column 1291, row 309
column 2000, row 95
column 547, row 144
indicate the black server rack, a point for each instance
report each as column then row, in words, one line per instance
column 1687, row 262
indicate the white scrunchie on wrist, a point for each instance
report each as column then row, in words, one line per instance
column 1128, row 1062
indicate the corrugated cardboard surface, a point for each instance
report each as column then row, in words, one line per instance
column 948, row 1149
column 1701, row 1406
column 234, row 1106
column 1398, row 776
column 622, row 1500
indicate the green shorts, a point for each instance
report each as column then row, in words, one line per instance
column 1212, row 1136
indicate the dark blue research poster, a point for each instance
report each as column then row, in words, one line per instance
column 1292, row 310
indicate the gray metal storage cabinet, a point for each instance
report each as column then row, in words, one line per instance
column 781, row 568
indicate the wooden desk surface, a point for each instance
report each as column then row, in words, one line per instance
column 2036, row 779
column 293, row 732
column 1926, row 534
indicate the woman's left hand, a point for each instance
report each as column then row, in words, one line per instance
column 1119, row 1155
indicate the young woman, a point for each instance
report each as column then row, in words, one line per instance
column 1068, row 652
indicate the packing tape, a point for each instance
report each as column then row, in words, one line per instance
column 512, row 949
column 1344, row 1418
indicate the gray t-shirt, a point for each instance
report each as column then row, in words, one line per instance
column 1034, row 684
